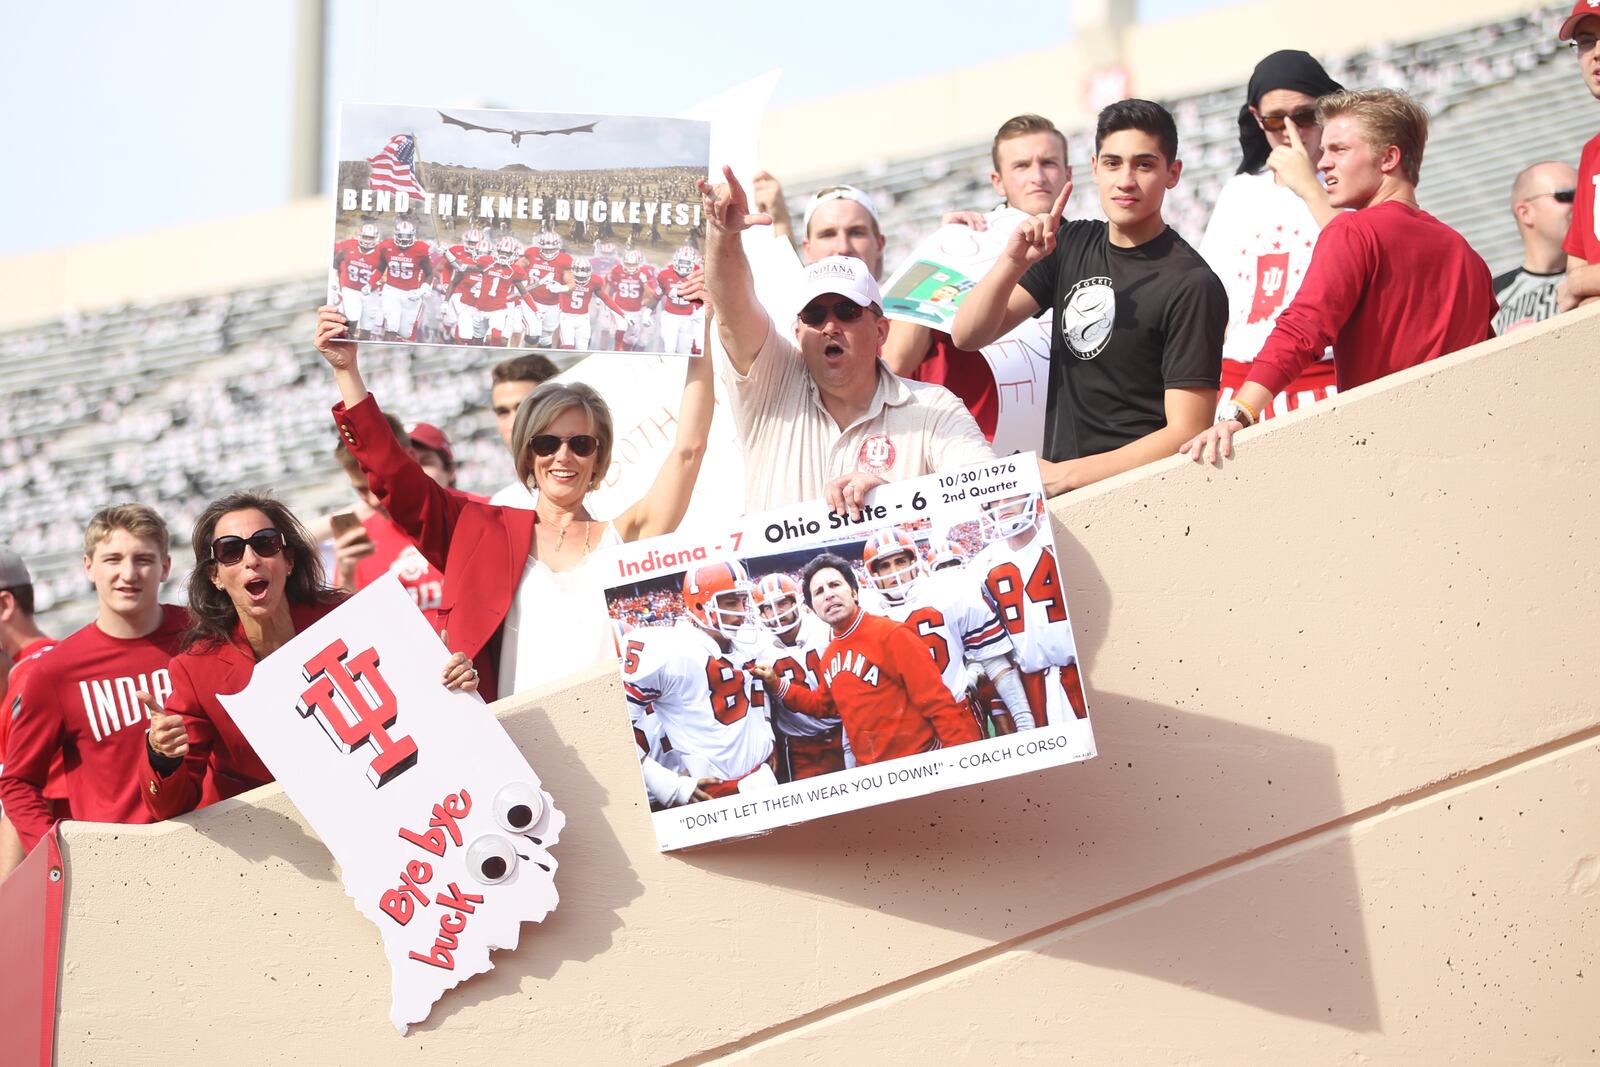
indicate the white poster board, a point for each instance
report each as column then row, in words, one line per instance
column 440, row 828
column 964, row 561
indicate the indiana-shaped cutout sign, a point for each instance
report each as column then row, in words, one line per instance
column 440, row 827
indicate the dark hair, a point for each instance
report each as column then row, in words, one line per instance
column 211, row 611
column 1146, row 116
column 1021, row 126
column 347, row 459
column 821, row 563
column 23, row 595
column 531, row 367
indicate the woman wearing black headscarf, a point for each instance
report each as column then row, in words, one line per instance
column 1268, row 215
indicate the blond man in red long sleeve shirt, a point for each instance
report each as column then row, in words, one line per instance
column 1389, row 286
column 878, row 676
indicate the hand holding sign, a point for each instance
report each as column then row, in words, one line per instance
column 459, row 673
column 332, row 327
column 727, row 206
column 168, row 736
column 1035, row 238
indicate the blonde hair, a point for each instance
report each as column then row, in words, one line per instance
column 542, row 407
column 1387, row 117
column 140, row 520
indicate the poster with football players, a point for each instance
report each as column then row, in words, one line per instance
column 801, row 663
column 928, row 287
column 518, row 229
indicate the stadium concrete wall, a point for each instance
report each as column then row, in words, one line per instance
column 1347, row 808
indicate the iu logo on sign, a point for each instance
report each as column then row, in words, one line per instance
column 356, row 707
column 1272, row 270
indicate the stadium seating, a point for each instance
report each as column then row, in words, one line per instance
column 176, row 403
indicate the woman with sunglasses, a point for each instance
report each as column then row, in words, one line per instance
column 520, row 597
column 257, row 582
column 1267, row 216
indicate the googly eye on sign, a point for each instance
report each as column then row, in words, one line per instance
column 442, row 830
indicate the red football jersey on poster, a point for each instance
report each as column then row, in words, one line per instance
column 878, row 677
column 394, row 551
column 403, row 267
column 628, row 289
column 356, row 267
column 668, row 280
column 493, row 289
column 455, row 257
column 81, row 701
column 578, row 299
column 541, row 270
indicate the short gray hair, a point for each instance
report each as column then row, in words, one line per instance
column 543, row 406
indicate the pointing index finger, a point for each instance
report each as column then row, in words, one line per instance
column 1293, row 131
column 734, row 187
column 1060, row 206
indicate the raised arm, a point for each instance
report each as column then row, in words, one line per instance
column 420, row 506
column 997, row 304
column 662, row 507
column 742, row 322
column 907, row 347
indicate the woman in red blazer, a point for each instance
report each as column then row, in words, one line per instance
column 493, row 556
column 257, row 582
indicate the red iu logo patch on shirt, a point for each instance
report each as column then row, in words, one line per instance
column 1272, row 274
column 877, row 455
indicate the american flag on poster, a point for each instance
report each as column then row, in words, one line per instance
column 391, row 168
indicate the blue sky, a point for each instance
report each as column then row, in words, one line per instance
column 179, row 112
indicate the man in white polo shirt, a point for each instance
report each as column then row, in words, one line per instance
column 821, row 416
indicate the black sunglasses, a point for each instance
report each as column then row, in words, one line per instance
column 1305, row 118
column 1560, row 196
column 230, row 550
column 844, row 311
column 546, row 444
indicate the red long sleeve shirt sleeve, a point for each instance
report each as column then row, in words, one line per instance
column 881, row 681
column 1388, row 287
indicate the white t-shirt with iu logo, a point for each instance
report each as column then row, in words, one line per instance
column 1259, row 242
column 793, row 448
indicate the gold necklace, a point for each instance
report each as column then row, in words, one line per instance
column 561, row 535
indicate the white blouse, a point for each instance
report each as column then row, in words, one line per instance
column 558, row 625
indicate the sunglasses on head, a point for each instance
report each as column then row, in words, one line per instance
column 1305, row 118
column 844, row 311
column 230, row 550
column 546, row 444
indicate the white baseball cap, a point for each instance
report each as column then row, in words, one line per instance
column 839, row 192
column 846, row 276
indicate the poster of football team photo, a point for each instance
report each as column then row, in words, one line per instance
column 802, row 663
column 518, row 229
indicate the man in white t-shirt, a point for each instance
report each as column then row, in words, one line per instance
column 510, row 381
column 821, row 416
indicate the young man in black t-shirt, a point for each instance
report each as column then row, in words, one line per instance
column 1136, row 354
